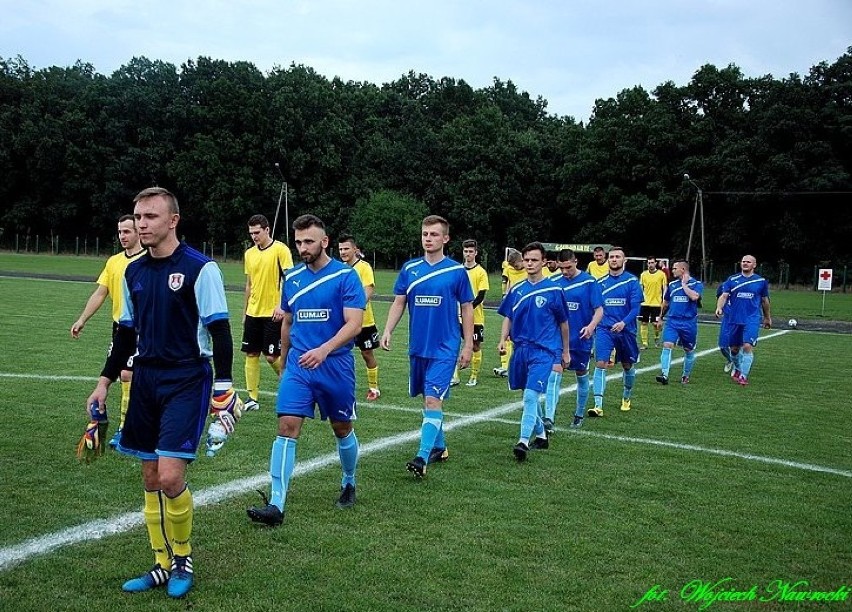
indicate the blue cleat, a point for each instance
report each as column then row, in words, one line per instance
column 152, row 579
column 181, row 579
column 116, row 437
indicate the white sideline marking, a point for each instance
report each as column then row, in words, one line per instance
column 11, row 556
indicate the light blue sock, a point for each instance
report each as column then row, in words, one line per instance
column 347, row 450
column 746, row 361
column 726, row 353
column 688, row 362
column 432, row 421
column 666, row 361
column 551, row 399
column 599, row 386
column 530, row 417
column 582, row 394
column 629, row 378
column 440, row 440
column 738, row 360
column 281, row 465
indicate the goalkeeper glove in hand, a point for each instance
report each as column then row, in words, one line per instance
column 91, row 444
column 226, row 408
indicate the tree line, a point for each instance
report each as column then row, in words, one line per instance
column 771, row 156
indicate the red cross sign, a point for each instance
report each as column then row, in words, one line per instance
column 824, row 279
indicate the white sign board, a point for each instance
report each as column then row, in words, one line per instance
column 824, row 279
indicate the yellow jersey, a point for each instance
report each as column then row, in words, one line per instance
column 265, row 269
column 365, row 273
column 511, row 276
column 112, row 276
column 653, row 287
column 596, row 270
column 478, row 282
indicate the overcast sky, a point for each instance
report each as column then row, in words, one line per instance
column 570, row 52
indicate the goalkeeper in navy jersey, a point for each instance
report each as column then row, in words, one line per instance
column 622, row 297
column 174, row 305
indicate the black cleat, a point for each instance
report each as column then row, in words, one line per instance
column 438, row 455
column 577, row 423
column 548, row 426
column 520, row 451
column 268, row 515
column 417, row 467
column 540, row 444
column 347, row 497
column 663, row 380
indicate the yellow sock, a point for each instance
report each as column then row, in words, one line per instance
column 154, row 512
column 253, row 376
column 475, row 364
column 125, row 402
column 504, row 359
column 373, row 377
column 456, row 373
column 277, row 365
column 643, row 333
column 179, row 522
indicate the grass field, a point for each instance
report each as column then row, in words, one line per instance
column 698, row 482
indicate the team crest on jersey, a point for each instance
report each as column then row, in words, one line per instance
column 540, row 301
column 176, row 281
column 573, row 305
column 427, row 300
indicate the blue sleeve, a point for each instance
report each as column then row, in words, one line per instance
column 210, row 294
column 505, row 309
column 699, row 287
column 636, row 298
column 765, row 291
column 667, row 296
column 560, row 309
column 400, row 287
column 596, row 296
column 353, row 292
column 126, row 316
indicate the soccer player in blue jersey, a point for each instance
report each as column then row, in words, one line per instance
column 585, row 311
column 323, row 302
column 731, row 355
column 174, row 312
column 748, row 295
column 433, row 287
column 622, row 297
column 680, row 307
column 536, row 316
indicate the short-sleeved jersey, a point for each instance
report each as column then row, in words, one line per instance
column 316, row 301
column 265, row 268
column 511, row 276
column 582, row 297
column 653, row 287
column 536, row 311
column 622, row 297
column 170, row 301
column 433, row 293
column 365, row 273
column 478, row 282
column 745, row 294
column 680, row 306
column 598, row 271
column 112, row 277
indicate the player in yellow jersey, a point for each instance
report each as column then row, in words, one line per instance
column 512, row 272
column 598, row 267
column 265, row 265
column 479, row 284
column 653, row 282
column 551, row 264
column 368, row 338
column 109, row 284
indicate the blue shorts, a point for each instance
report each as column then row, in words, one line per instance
column 624, row 343
column 430, row 377
column 746, row 333
column 580, row 360
column 331, row 387
column 167, row 411
column 684, row 333
column 726, row 330
column 530, row 368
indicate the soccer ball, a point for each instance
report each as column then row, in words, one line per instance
column 792, row 323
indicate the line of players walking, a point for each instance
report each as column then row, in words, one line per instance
column 306, row 319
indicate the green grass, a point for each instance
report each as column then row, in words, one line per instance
column 590, row 524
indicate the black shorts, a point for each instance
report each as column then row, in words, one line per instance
column 478, row 334
column 368, row 339
column 649, row 314
column 129, row 364
column 261, row 335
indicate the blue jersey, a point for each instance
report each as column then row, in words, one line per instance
column 536, row 311
column 680, row 306
column 622, row 296
column 316, row 301
column 433, row 293
column 170, row 301
column 582, row 296
column 745, row 294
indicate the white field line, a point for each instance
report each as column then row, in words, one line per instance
column 11, row 556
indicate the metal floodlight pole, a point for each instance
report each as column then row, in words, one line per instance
column 697, row 210
column 282, row 195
